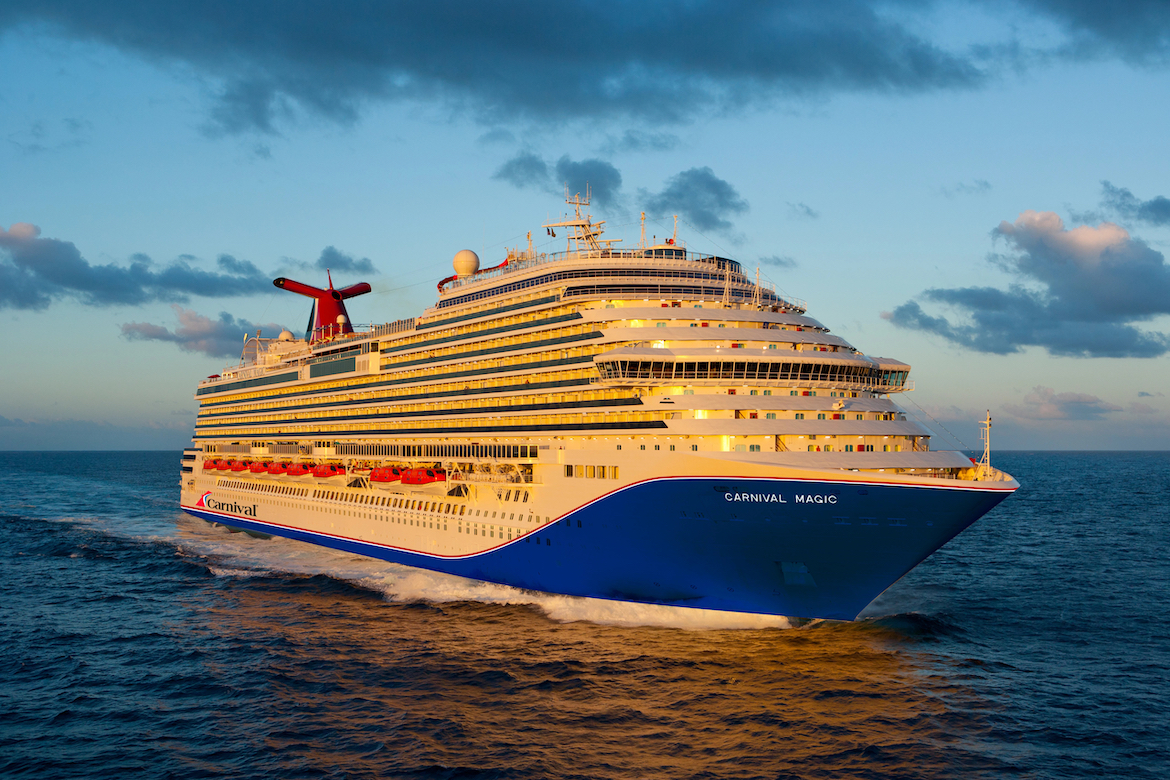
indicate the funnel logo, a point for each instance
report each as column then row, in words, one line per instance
column 202, row 502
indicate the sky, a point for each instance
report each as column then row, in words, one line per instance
column 979, row 189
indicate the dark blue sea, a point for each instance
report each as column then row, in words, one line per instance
column 138, row 642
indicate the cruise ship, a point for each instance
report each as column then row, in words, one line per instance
column 647, row 424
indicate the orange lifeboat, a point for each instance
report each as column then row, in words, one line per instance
column 327, row 470
column 210, row 465
column 298, row 470
column 423, row 476
column 224, row 465
column 277, row 468
column 259, row 467
column 240, row 465
column 386, row 474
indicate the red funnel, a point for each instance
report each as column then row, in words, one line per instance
column 328, row 307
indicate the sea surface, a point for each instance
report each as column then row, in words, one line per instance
column 138, row 642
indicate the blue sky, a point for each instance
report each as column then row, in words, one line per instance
column 978, row 189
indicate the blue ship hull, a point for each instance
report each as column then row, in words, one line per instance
column 802, row 548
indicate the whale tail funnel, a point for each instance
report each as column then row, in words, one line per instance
column 328, row 317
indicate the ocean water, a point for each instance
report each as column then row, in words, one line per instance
column 136, row 641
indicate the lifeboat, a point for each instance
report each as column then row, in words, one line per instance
column 210, row 465
column 386, row 474
column 298, row 470
column 327, row 470
column 277, row 468
column 259, row 467
column 241, row 465
column 224, row 465
column 423, row 476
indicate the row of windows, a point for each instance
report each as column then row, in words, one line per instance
column 547, row 379
column 592, row 472
column 472, row 425
column 264, row 487
column 867, row 375
column 485, row 405
column 694, row 447
column 594, row 273
column 852, row 448
column 510, row 343
column 498, row 451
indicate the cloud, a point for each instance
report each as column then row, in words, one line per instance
column 1044, row 403
column 654, row 61
column 528, row 169
column 35, row 271
column 778, row 261
column 974, row 187
column 195, row 333
column 640, row 141
column 1137, row 407
column 802, row 211
column 497, row 135
column 603, row 180
column 1144, row 394
column 1136, row 31
column 700, row 197
column 1076, row 292
column 1155, row 211
column 524, row 170
column 332, row 259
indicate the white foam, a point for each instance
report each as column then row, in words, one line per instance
column 219, row 571
column 242, row 555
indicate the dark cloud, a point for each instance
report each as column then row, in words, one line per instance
column 1136, row 31
column 332, row 259
column 1155, row 211
column 700, row 197
column 778, row 261
column 34, row 271
column 527, row 169
column 654, row 61
column 1097, row 283
column 603, row 180
column 524, row 170
column 1044, row 403
column 195, row 333
column 1144, row 394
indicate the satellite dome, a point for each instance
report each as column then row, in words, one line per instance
column 285, row 336
column 466, row 262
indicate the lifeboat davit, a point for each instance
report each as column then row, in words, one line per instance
column 423, row 476
column 327, row 470
column 259, row 467
column 386, row 474
column 277, row 468
column 298, row 470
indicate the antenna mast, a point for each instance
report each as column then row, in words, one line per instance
column 983, row 471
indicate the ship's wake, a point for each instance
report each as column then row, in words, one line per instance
column 237, row 555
